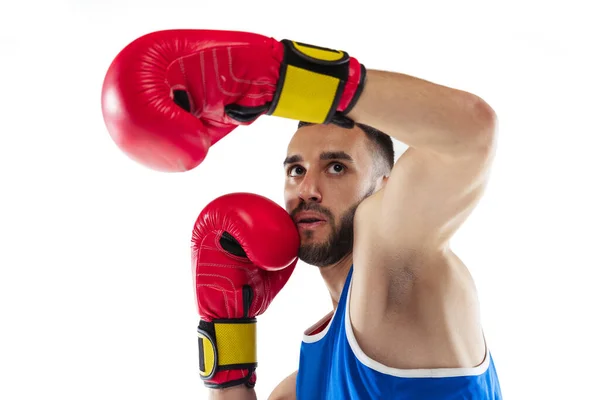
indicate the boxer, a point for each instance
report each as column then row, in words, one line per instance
column 405, row 318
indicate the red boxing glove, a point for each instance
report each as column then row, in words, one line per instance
column 244, row 249
column 170, row 95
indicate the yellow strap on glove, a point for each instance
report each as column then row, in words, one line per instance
column 310, row 72
column 226, row 345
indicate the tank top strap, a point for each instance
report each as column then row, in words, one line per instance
column 344, row 294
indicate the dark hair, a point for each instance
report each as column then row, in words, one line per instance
column 382, row 144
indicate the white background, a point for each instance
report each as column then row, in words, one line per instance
column 96, row 297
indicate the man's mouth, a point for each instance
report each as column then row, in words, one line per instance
column 308, row 223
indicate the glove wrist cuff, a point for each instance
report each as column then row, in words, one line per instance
column 227, row 345
column 316, row 83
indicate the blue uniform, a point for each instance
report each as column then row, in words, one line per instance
column 333, row 367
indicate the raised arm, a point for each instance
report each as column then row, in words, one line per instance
column 436, row 183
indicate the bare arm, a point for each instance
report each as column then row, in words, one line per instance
column 239, row 392
column 433, row 187
column 424, row 115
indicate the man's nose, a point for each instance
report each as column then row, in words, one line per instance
column 309, row 189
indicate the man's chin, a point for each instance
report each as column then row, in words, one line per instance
column 314, row 253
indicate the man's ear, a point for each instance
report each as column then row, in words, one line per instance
column 381, row 181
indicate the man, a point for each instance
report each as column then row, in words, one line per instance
column 405, row 323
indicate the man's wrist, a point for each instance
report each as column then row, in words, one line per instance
column 232, row 393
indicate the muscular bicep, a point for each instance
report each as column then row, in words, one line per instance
column 428, row 196
column 286, row 390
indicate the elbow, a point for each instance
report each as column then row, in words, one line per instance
column 484, row 124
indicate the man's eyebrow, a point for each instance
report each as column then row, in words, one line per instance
column 292, row 159
column 326, row 155
column 336, row 155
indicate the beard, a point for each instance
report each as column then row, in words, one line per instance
column 339, row 243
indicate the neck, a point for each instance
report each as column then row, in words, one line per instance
column 334, row 276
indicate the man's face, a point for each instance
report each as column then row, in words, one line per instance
column 329, row 171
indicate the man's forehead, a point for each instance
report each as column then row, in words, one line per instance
column 311, row 141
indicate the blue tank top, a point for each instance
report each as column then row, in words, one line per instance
column 333, row 367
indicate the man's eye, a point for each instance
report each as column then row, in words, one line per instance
column 336, row 168
column 295, row 170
